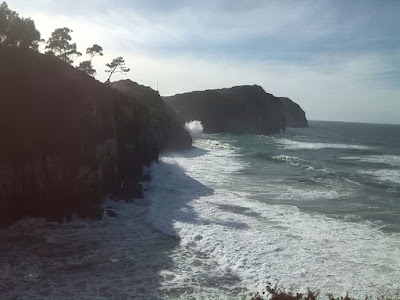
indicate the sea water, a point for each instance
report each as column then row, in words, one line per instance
column 315, row 208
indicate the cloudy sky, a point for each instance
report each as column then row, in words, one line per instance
column 339, row 59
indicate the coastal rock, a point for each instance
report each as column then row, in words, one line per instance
column 295, row 116
column 166, row 128
column 67, row 139
column 240, row 109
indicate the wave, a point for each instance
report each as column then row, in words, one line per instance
column 216, row 145
column 195, row 128
column 392, row 160
column 279, row 158
column 314, row 190
column 289, row 144
column 199, row 201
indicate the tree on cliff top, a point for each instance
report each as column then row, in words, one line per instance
column 116, row 66
column 16, row 31
column 94, row 50
column 87, row 67
column 59, row 45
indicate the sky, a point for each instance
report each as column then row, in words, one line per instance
column 338, row 59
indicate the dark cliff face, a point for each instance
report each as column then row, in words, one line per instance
column 165, row 125
column 295, row 116
column 66, row 139
column 241, row 109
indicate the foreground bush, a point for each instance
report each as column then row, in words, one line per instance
column 273, row 292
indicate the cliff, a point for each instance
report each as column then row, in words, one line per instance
column 240, row 109
column 67, row 139
column 168, row 129
column 295, row 116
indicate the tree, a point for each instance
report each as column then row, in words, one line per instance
column 59, row 44
column 116, row 66
column 94, row 50
column 86, row 66
column 6, row 15
column 16, row 31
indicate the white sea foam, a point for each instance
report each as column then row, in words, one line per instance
column 392, row 160
column 315, row 193
column 290, row 159
column 195, row 128
column 289, row 144
column 215, row 145
column 196, row 200
column 112, row 258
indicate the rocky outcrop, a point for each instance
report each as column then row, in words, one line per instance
column 240, row 109
column 67, row 139
column 168, row 130
column 295, row 116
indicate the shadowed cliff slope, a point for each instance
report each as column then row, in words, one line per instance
column 66, row 139
column 295, row 116
column 168, row 129
column 240, row 109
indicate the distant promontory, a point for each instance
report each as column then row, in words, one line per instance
column 240, row 109
column 295, row 115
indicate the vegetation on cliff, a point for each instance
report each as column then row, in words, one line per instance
column 16, row 31
column 19, row 32
column 60, row 46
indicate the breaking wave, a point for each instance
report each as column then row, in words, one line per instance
column 195, row 128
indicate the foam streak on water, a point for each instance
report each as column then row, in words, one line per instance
column 391, row 160
column 384, row 175
column 289, row 144
column 194, row 198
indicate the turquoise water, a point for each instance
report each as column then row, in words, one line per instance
column 343, row 170
column 315, row 207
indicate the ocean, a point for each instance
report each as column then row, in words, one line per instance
column 315, row 207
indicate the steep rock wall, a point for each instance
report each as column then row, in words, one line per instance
column 66, row 139
column 240, row 109
column 168, row 130
column 295, row 115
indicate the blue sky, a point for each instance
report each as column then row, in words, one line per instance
column 338, row 59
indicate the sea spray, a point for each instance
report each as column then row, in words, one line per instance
column 195, row 128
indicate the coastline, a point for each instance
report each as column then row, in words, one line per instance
column 126, row 257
